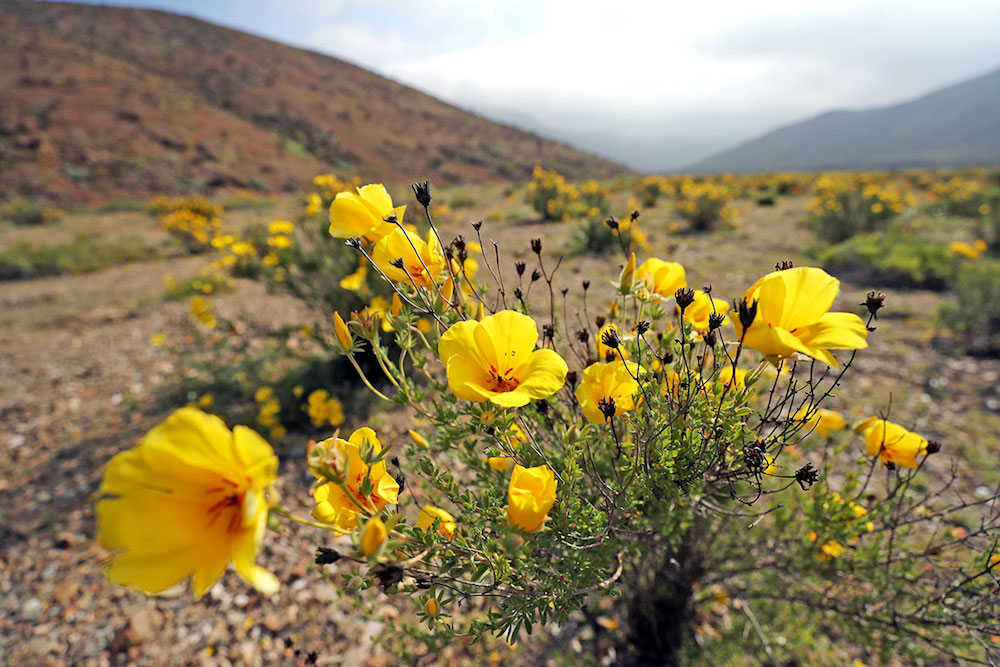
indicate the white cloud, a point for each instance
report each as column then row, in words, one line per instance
column 699, row 69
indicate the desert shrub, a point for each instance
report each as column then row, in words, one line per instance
column 84, row 254
column 975, row 315
column 299, row 259
column 207, row 282
column 193, row 221
column 686, row 459
column 463, row 201
column 600, row 237
column 846, row 204
column 245, row 199
column 21, row 211
column 891, row 260
column 593, row 201
column 705, row 203
column 651, row 188
column 550, row 195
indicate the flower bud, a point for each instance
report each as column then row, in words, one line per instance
column 536, row 246
column 432, row 607
column 627, row 277
column 448, row 289
column 343, row 333
column 418, row 440
column 373, row 537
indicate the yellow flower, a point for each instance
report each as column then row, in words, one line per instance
column 531, row 494
column 661, row 277
column 354, row 281
column 276, row 227
column 324, row 408
column 333, row 505
column 263, row 394
column 423, row 261
column 832, row 549
column 792, row 317
column 822, row 421
column 373, row 536
column 891, row 442
column 314, row 204
column 429, row 514
column 500, row 463
column 187, row 500
column 158, row 340
column 206, row 401
column 495, row 360
column 203, row 311
column 363, row 214
column 279, row 241
column 703, row 307
column 965, row 249
column 418, row 440
column 726, row 377
column 608, row 381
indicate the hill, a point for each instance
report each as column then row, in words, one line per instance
column 103, row 102
column 955, row 126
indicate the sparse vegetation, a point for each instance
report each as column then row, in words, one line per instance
column 84, row 254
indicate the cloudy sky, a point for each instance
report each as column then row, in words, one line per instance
column 704, row 73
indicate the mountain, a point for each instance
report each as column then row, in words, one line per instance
column 102, row 103
column 954, row 126
column 655, row 154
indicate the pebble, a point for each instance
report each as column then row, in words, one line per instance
column 32, row 609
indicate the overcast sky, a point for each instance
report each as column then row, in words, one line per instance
column 693, row 69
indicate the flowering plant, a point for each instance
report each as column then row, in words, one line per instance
column 668, row 448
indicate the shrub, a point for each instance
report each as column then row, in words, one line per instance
column 651, row 188
column 975, row 314
column 705, row 203
column 550, row 195
column 84, row 254
column 851, row 203
column 20, row 211
column 891, row 260
column 193, row 221
column 661, row 469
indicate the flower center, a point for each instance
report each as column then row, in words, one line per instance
column 502, row 382
column 226, row 502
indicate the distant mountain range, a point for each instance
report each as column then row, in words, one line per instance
column 99, row 103
column 955, row 126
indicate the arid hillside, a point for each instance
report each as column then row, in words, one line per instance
column 104, row 103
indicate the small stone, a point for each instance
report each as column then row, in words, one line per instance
column 32, row 609
column 145, row 623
